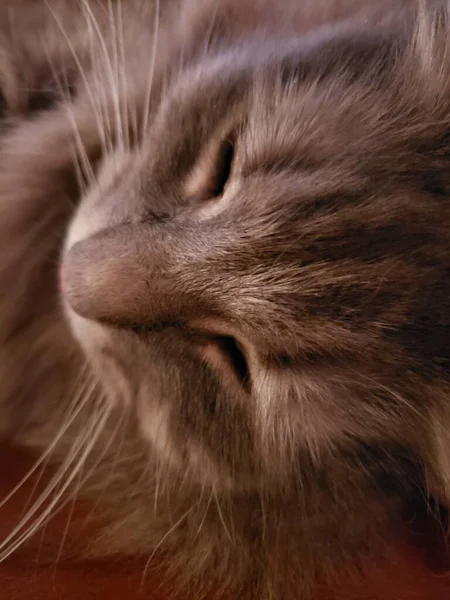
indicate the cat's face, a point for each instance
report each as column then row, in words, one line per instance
column 253, row 279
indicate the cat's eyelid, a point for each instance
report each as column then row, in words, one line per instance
column 213, row 169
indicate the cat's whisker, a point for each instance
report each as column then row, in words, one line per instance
column 131, row 107
column 163, row 539
column 64, row 466
column 159, row 485
column 12, row 542
column 84, row 171
column 103, row 123
column 65, row 532
column 118, row 76
column 221, row 517
column 89, row 15
column 82, row 164
column 74, row 410
column 120, row 427
column 157, row 489
column 123, row 82
column 71, row 498
column 71, row 416
column 79, row 174
column 205, row 514
column 78, row 455
column 82, row 480
column 148, row 95
column 79, row 67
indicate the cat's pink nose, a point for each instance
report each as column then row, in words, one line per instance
column 127, row 276
column 104, row 278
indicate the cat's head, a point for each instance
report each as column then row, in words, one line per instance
column 264, row 278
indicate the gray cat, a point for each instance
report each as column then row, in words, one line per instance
column 225, row 258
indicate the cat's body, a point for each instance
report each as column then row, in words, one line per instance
column 258, row 279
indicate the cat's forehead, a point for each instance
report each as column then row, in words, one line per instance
column 277, row 88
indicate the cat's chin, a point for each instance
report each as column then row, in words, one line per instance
column 116, row 357
column 94, row 340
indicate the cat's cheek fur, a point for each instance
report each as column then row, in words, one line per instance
column 95, row 342
column 154, row 423
column 182, row 455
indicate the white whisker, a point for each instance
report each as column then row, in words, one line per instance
column 71, row 498
column 98, row 460
column 119, row 65
column 104, row 125
column 68, row 520
column 152, row 69
column 79, row 66
column 53, row 445
column 77, row 456
column 81, row 160
column 208, row 504
column 221, row 517
column 89, row 15
column 163, row 539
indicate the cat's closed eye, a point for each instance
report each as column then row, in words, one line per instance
column 220, row 175
column 212, row 173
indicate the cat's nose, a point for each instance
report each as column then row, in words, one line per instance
column 131, row 275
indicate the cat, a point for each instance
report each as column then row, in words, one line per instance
column 225, row 242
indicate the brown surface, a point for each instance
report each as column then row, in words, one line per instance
column 36, row 573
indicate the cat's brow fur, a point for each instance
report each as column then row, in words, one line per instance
column 329, row 258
